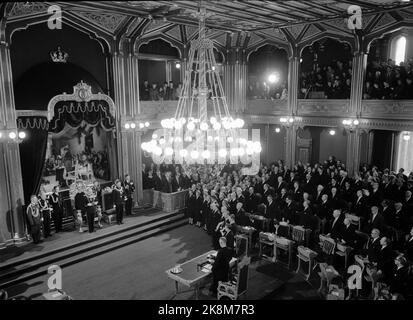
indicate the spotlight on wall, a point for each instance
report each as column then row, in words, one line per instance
column 332, row 132
column 273, row 78
column 406, row 136
column 277, row 130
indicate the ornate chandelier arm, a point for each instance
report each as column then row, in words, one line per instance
column 215, row 93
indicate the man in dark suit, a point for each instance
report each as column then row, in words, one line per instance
column 376, row 195
column 118, row 200
column 220, row 268
column 335, row 226
column 271, row 212
column 400, row 281
column 359, row 204
column 297, row 192
column 373, row 245
column 318, row 194
column 348, row 233
column 408, row 246
column 280, row 184
column 157, row 180
column 251, row 201
column 178, row 182
column 167, row 183
column 308, row 185
column 129, row 189
column 241, row 218
column 376, row 221
column 306, row 217
column 385, row 260
column 289, row 213
column 387, row 212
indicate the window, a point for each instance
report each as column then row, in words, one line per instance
column 400, row 50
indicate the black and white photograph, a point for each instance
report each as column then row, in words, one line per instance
column 207, row 156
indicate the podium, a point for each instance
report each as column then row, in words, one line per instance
column 167, row 202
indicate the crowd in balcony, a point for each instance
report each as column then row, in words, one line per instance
column 266, row 91
column 156, row 92
column 386, row 80
column 331, row 81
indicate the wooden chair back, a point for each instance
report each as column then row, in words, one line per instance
column 298, row 234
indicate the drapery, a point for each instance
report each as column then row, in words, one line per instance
column 32, row 152
column 75, row 113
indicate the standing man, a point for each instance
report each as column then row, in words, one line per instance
column 118, row 199
column 57, row 206
column 45, row 212
column 220, row 268
column 34, row 218
column 129, row 189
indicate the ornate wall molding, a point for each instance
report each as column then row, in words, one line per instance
column 325, row 107
column 27, row 8
column 109, row 22
column 387, row 109
column 82, row 92
column 268, row 107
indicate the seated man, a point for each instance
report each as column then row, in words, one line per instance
column 220, row 268
column 334, row 227
column 348, row 234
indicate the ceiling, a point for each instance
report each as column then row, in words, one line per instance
column 242, row 15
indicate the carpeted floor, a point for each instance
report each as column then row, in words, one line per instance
column 138, row 272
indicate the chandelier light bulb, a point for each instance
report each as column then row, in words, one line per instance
column 127, row 126
column 12, row 135
column 141, row 125
column 157, row 151
column 241, row 152
column 162, row 141
column 257, row 147
column 217, row 126
column 154, row 136
column 230, row 139
column 178, row 65
column 146, row 124
column 222, row 153
column 183, row 153
column 249, row 151
column 206, row 154
column 22, row 134
column 203, row 126
column 213, row 120
column 406, row 137
column 133, row 125
column 332, row 132
column 210, row 138
column 1, row 134
column 277, row 130
column 178, row 125
column 169, row 151
column 234, row 152
column 356, row 122
column 194, row 154
column 191, row 126
column 144, row 146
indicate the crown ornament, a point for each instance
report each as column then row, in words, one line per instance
column 59, row 55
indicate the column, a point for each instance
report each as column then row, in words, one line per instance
column 12, row 225
column 357, row 81
column 353, row 151
column 293, row 74
column 235, row 80
column 290, row 145
column 370, row 141
column 126, row 87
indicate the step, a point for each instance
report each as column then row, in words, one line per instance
column 95, row 252
column 13, row 264
column 113, row 238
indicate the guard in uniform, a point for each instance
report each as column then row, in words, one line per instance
column 129, row 189
column 57, row 205
column 90, row 212
column 81, row 202
column 118, row 200
column 45, row 212
column 34, row 218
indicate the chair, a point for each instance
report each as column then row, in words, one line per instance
column 248, row 232
column 355, row 220
column 238, row 287
column 266, row 239
column 343, row 251
column 365, row 238
column 241, row 245
column 306, row 255
column 285, row 245
column 327, row 274
column 298, row 235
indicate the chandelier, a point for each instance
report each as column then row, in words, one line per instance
column 202, row 130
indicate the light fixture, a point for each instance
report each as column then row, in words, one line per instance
column 273, row 78
column 127, row 126
column 12, row 135
column 287, row 121
column 406, row 136
column 332, row 132
column 350, row 124
column 22, row 135
column 277, row 130
column 133, row 125
column 194, row 119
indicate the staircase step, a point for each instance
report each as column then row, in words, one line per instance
column 65, row 262
column 85, row 247
column 98, row 237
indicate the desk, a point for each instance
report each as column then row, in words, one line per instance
column 169, row 202
column 190, row 276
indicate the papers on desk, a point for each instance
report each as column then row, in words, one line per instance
column 207, row 268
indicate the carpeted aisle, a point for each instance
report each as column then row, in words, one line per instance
column 138, row 272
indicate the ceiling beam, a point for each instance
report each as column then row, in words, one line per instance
column 313, row 3
column 362, row 4
column 305, row 11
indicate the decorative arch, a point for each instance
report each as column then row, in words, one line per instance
column 380, row 34
column 105, row 42
column 265, row 42
column 340, row 38
column 175, row 44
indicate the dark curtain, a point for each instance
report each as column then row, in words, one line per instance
column 32, row 153
column 74, row 113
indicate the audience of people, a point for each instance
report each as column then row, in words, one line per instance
column 156, row 92
column 318, row 197
column 386, row 80
column 266, row 91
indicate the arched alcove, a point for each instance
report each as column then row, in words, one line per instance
column 325, row 70
column 267, row 72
